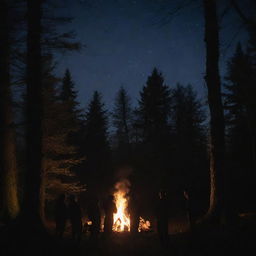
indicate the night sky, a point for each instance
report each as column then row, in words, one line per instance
column 126, row 39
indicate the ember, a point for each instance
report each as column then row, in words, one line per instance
column 144, row 225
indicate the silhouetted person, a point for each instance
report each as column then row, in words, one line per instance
column 95, row 217
column 162, row 218
column 75, row 219
column 60, row 215
column 188, row 208
column 110, row 209
column 134, row 213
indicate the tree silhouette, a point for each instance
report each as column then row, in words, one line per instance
column 217, row 141
column 122, row 122
column 154, row 107
column 8, row 164
column 122, row 115
column 60, row 156
column 34, row 113
column 68, row 98
column 239, row 88
column 190, row 144
column 68, row 94
column 152, row 124
column 96, row 146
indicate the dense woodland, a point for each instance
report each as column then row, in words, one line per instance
column 171, row 139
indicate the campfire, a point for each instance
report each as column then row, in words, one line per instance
column 122, row 217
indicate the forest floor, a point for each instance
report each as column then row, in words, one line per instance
column 204, row 241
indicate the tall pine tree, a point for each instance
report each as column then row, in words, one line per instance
column 122, row 122
column 239, row 90
column 189, row 145
column 96, row 147
column 154, row 107
column 60, row 156
column 68, row 93
column 70, row 106
column 153, row 127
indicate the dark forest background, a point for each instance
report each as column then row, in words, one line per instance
column 169, row 140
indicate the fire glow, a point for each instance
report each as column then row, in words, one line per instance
column 144, row 225
column 121, row 217
column 121, row 221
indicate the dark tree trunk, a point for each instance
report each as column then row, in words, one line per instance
column 217, row 143
column 34, row 112
column 8, row 166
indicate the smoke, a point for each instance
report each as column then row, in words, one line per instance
column 124, row 173
column 123, row 186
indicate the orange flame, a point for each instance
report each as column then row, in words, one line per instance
column 121, row 217
column 144, row 225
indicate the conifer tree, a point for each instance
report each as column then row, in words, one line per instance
column 96, row 145
column 68, row 94
column 153, row 125
column 60, row 156
column 154, row 107
column 187, row 114
column 189, row 141
column 73, row 114
column 122, row 115
column 239, row 91
column 238, row 97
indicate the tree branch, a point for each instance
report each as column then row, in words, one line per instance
column 246, row 20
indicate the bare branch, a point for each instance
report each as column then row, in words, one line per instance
column 232, row 39
column 248, row 21
column 170, row 15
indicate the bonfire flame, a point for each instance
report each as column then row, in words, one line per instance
column 122, row 217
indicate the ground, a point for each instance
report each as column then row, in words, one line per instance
column 239, row 239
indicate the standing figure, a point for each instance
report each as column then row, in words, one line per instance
column 110, row 209
column 75, row 219
column 60, row 215
column 95, row 217
column 162, row 218
column 188, row 208
column 134, row 213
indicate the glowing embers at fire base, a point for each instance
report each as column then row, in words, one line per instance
column 121, row 217
column 144, row 225
column 121, row 221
